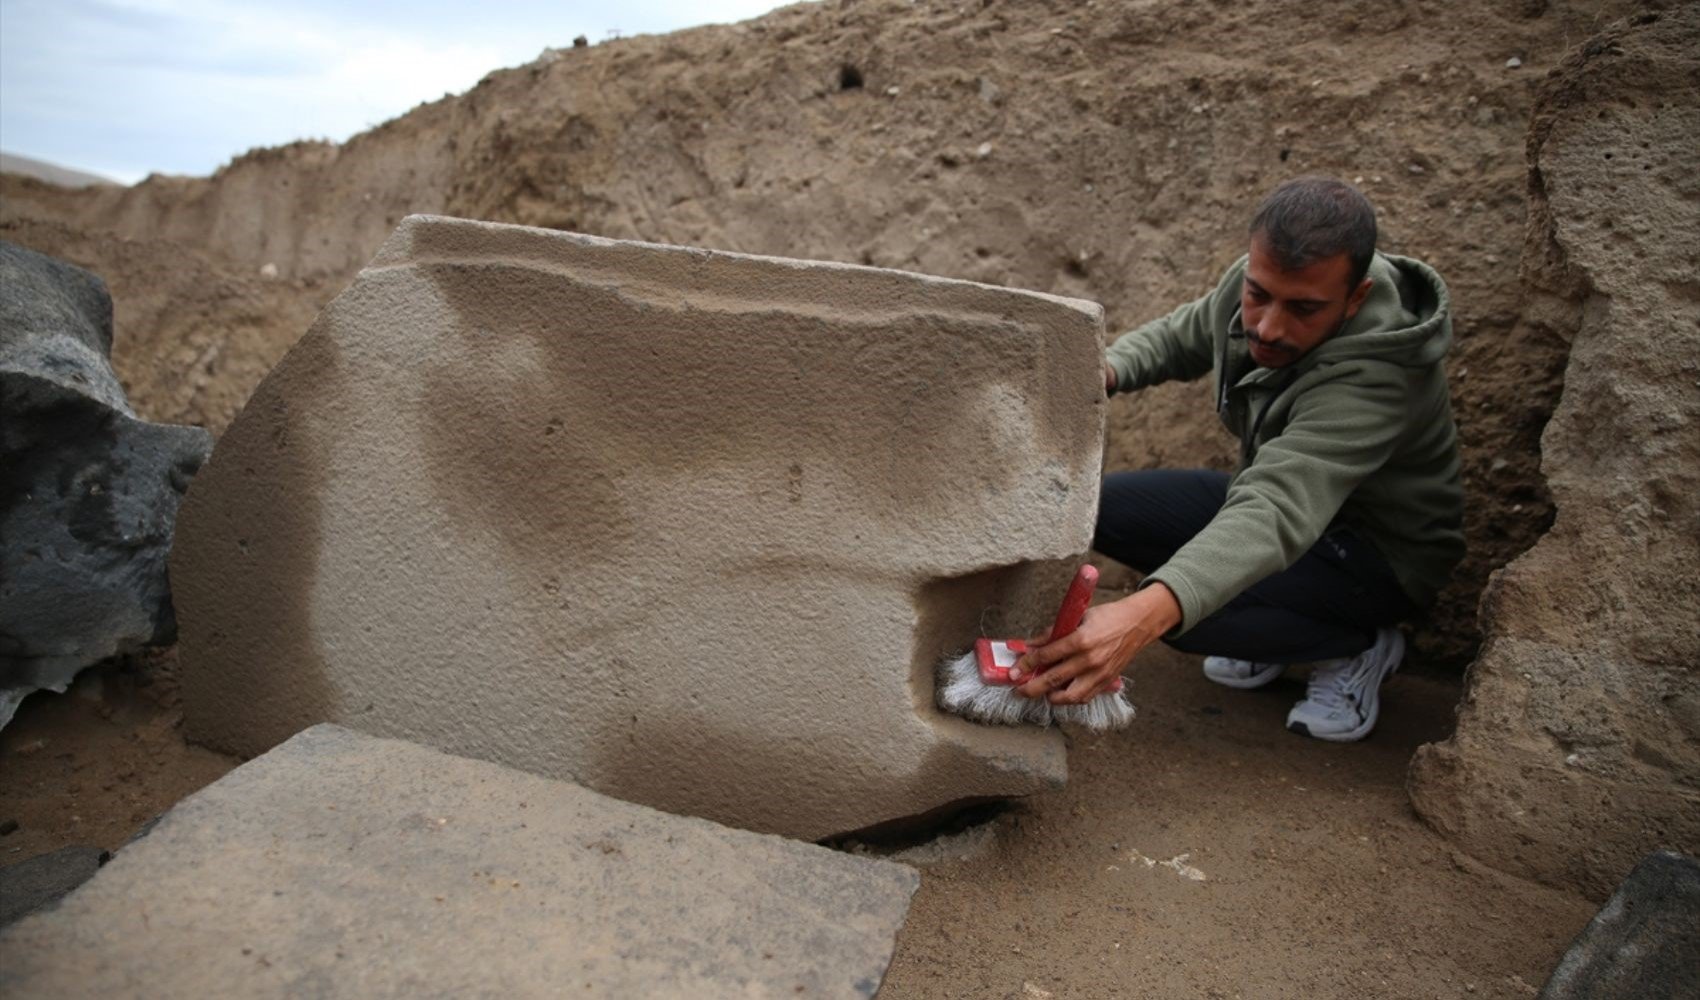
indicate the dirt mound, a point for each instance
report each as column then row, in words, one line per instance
column 191, row 337
column 50, row 172
column 1108, row 151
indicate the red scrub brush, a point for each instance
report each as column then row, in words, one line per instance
column 976, row 685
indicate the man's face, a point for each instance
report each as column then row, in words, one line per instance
column 1287, row 313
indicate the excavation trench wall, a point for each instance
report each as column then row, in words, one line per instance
column 1578, row 745
column 1111, row 153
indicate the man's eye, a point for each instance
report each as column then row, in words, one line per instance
column 1304, row 310
column 1257, row 294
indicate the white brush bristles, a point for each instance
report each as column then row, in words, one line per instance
column 962, row 692
column 1105, row 712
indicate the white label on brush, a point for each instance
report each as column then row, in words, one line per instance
column 1003, row 656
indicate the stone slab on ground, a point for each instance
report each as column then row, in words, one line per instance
column 29, row 885
column 343, row 865
column 1644, row 944
column 689, row 528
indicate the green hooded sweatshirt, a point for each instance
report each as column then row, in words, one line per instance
column 1357, row 433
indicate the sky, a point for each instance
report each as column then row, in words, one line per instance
column 124, row 88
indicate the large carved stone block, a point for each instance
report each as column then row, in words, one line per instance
column 688, row 528
column 339, row 865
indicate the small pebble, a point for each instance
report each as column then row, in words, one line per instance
column 1513, row 63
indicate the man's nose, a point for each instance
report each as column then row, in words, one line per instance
column 1269, row 326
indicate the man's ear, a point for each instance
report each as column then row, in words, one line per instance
column 1355, row 301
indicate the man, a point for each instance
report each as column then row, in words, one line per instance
column 1344, row 515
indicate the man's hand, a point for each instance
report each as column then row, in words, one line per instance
column 1082, row 664
column 1109, row 379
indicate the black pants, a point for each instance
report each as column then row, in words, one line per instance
column 1327, row 605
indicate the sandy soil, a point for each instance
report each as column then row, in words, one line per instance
column 91, row 766
column 1317, row 879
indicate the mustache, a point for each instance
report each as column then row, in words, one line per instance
column 1269, row 344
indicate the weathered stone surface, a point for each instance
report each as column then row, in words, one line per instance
column 1578, row 746
column 688, row 528
column 1644, row 944
column 88, row 493
column 340, row 865
column 28, row 885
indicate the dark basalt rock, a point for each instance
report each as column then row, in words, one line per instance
column 88, row 492
column 29, row 885
column 1644, row 944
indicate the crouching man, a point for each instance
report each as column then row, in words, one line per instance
column 1344, row 515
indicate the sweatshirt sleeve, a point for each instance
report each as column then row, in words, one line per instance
column 1336, row 436
column 1176, row 346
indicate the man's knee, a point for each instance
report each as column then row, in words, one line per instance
column 1145, row 516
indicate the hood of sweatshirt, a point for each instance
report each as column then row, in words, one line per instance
column 1406, row 318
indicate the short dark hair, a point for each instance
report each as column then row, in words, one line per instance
column 1313, row 218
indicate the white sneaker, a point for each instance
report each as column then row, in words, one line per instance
column 1241, row 673
column 1343, row 698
